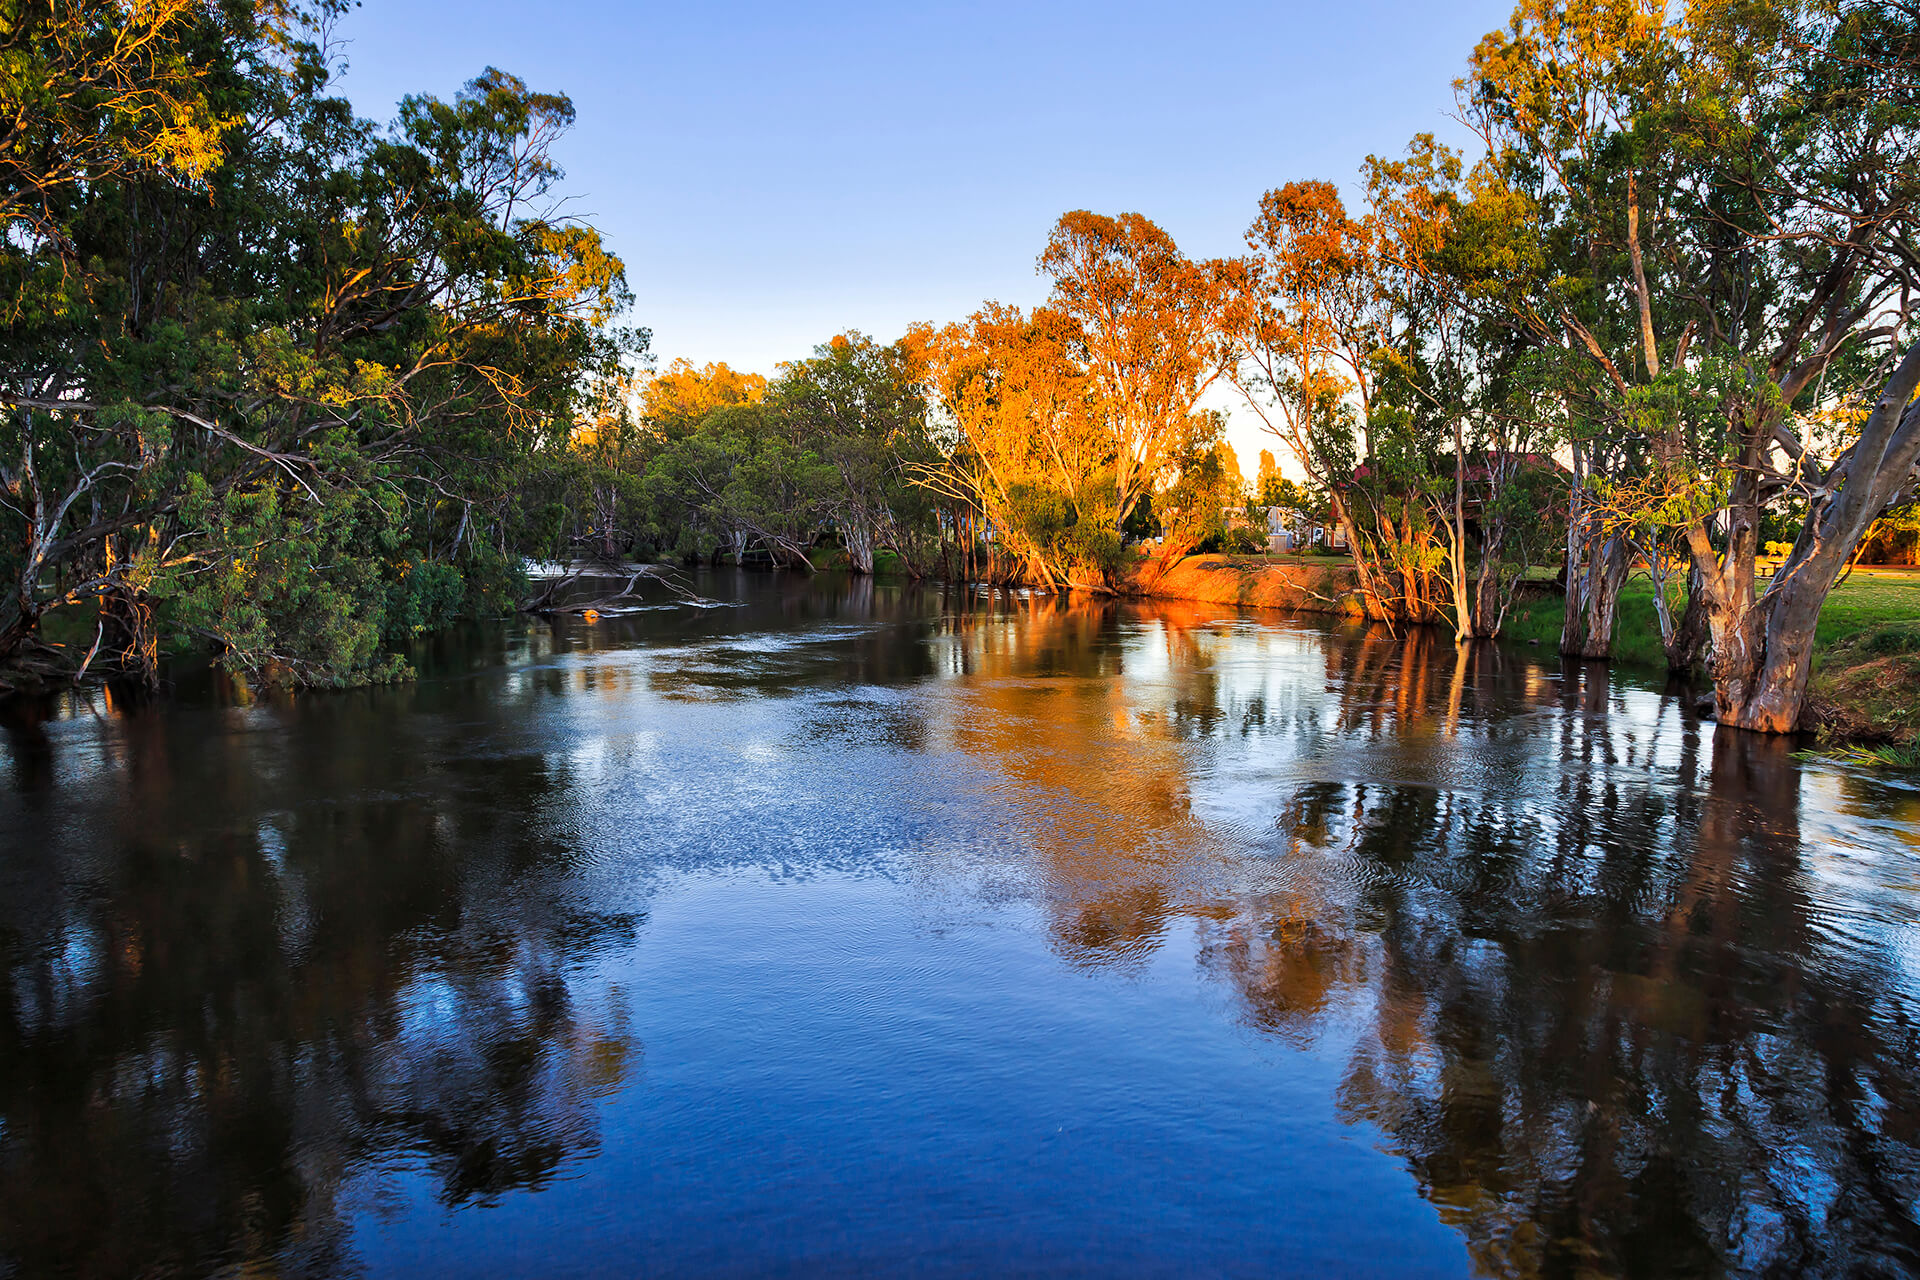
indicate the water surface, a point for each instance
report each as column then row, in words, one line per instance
column 876, row 930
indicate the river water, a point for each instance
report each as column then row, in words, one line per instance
column 857, row 929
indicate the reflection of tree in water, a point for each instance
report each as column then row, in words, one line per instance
column 1602, row 1055
column 210, row 1029
column 1582, row 986
column 1100, row 789
column 1594, row 1001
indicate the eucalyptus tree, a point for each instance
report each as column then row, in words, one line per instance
column 743, row 480
column 1308, row 316
column 1568, row 100
column 1024, row 446
column 863, row 408
column 269, row 389
column 1452, row 244
column 1148, row 320
column 1065, row 421
column 1728, row 196
column 1807, row 125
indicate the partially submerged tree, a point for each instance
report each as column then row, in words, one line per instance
column 739, row 481
column 1730, row 191
column 1812, row 137
column 862, row 407
column 1026, row 449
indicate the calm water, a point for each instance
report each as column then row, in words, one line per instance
column 858, row 930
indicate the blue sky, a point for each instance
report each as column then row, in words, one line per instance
column 775, row 174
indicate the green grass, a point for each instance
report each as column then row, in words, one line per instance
column 1871, row 600
column 1636, row 632
column 1886, row 755
column 1866, row 659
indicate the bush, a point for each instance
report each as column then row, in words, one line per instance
column 1242, row 541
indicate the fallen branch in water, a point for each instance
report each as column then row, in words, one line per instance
column 547, row 603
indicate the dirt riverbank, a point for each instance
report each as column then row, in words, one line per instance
column 1306, row 585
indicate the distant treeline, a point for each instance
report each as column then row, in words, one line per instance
column 295, row 387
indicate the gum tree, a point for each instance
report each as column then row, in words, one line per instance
column 267, row 383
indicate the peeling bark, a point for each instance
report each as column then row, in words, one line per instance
column 1763, row 644
column 1593, row 594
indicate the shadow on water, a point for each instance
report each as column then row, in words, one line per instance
column 1619, row 992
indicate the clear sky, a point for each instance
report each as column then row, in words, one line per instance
column 774, row 174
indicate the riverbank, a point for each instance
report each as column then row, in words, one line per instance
column 1866, row 649
column 1305, row 584
column 1866, row 653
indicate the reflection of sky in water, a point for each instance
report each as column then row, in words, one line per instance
column 858, row 931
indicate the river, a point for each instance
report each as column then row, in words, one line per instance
column 843, row 928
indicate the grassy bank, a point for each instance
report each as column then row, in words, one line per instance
column 1636, row 637
column 1866, row 673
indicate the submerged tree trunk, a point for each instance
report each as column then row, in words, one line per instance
column 19, row 628
column 1466, row 621
column 1763, row 646
column 1593, row 593
column 128, row 616
column 1492, row 597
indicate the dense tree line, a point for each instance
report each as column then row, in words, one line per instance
column 295, row 386
column 708, row 464
column 268, row 370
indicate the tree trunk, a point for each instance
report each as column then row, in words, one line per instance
column 1465, row 620
column 1763, row 648
column 1492, row 589
column 1489, row 612
column 15, row 633
column 1370, row 600
column 130, row 614
column 1593, row 594
column 1689, row 640
column 858, row 533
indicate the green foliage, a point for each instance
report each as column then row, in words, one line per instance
column 740, row 480
column 296, row 598
column 1239, row 540
column 1278, row 491
column 862, row 408
column 1205, row 487
column 286, row 368
column 1886, row 755
column 831, row 454
column 1141, row 522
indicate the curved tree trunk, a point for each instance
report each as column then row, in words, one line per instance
column 1763, row 647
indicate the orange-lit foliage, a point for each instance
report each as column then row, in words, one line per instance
column 1148, row 319
column 674, row 400
column 1027, row 447
column 1065, row 419
column 1308, row 313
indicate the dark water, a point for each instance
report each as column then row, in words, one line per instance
column 869, row 931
